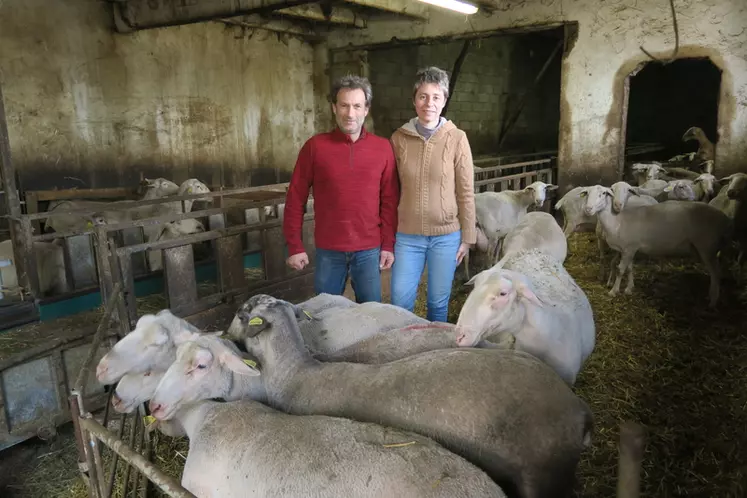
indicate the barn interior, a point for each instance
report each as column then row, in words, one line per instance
column 99, row 99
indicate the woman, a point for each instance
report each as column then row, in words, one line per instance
column 437, row 204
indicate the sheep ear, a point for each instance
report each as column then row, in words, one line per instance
column 550, row 186
column 726, row 179
column 525, row 292
column 235, row 363
column 254, row 323
column 633, row 192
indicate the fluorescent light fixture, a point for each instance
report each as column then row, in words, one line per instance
column 457, row 5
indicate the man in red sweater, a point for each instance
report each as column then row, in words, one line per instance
column 356, row 193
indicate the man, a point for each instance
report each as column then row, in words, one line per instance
column 356, row 192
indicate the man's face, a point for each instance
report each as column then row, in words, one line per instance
column 350, row 110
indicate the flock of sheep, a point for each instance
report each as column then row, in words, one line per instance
column 314, row 407
column 390, row 406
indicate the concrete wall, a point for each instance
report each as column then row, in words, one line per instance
column 606, row 50
column 84, row 102
column 493, row 76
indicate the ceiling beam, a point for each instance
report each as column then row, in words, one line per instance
column 331, row 14
column 255, row 21
column 409, row 8
column 132, row 15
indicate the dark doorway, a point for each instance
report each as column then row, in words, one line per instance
column 665, row 101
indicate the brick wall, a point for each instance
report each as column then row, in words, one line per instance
column 493, row 76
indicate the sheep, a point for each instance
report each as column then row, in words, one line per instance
column 160, row 187
column 330, row 330
column 646, row 172
column 169, row 231
column 623, row 194
column 574, row 219
column 400, row 343
column 238, row 448
column 736, row 209
column 498, row 212
column 723, row 201
column 537, row 229
column 700, row 189
column 134, row 389
column 532, row 296
column 151, row 345
column 706, row 148
column 672, row 228
column 188, row 187
column 50, row 267
column 530, row 448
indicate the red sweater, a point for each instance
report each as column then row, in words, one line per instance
column 356, row 192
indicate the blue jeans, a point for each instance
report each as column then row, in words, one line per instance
column 411, row 254
column 331, row 273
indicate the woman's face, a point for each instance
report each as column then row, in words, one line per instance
column 429, row 102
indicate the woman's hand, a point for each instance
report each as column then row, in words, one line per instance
column 462, row 252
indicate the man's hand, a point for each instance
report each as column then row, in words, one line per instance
column 462, row 252
column 298, row 261
column 386, row 260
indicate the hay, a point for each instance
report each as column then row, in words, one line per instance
column 662, row 359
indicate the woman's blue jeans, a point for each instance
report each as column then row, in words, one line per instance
column 411, row 254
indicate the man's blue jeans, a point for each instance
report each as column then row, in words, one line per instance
column 331, row 273
column 411, row 254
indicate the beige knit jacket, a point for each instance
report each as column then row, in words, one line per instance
column 436, row 182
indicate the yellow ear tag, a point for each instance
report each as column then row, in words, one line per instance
column 308, row 315
column 148, row 420
column 256, row 321
column 189, row 190
column 251, row 363
column 89, row 225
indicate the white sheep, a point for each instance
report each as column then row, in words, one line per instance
column 536, row 230
column 532, row 447
column 672, row 228
column 50, row 267
column 151, row 345
column 531, row 296
column 725, row 203
column 160, row 187
column 134, row 389
column 646, row 172
column 736, row 208
column 169, row 231
column 700, row 189
column 571, row 205
column 244, row 448
column 623, row 195
column 499, row 212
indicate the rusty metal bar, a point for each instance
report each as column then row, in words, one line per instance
column 166, row 483
column 115, row 459
column 82, row 438
column 514, row 165
column 79, row 385
column 517, row 176
column 128, row 467
column 202, row 237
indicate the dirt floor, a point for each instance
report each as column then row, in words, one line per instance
column 662, row 359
